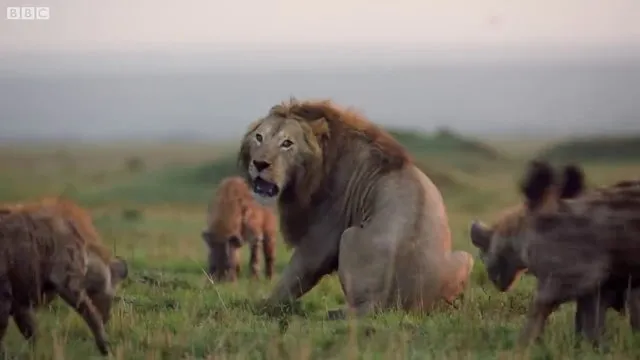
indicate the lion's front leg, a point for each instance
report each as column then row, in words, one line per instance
column 304, row 271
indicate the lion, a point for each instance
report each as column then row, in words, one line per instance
column 351, row 201
column 580, row 246
column 235, row 218
column 76, row 249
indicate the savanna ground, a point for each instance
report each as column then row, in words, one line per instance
column 149, row 202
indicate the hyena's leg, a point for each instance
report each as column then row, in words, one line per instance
column 25, row 321
column 212, row 268
column 633, row 306
column 233, row 271
column 547, row 298
column 6, row 299
column 254, row 259
column 69, row 283
column 590, row 315
column 269, row 254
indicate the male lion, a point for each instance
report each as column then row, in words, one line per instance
column 351, row 200
column 234, row 218
column 580, row 246
column 60, row 254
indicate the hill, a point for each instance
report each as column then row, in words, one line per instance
column 444, row 141
column 596, row 148
column 194, row 183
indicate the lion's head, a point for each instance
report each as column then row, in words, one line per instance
column 290, row 153
column 282, row 153
column 499, row 243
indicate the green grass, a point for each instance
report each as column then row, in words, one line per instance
column 168, row 308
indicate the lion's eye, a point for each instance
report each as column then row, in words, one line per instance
column 286, row 144
column 259, row 137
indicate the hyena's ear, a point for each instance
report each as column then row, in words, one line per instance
column 480, row 235
column 236, row 241
column 537, row 184
column 206, row 237
column 119, row 270
column 573, row 182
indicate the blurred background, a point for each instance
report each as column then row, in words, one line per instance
column 192, row 69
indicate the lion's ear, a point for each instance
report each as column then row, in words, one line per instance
column 278, row 110
column 319, row 128
column 309, row 112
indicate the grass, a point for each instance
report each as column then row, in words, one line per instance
column 168, row 309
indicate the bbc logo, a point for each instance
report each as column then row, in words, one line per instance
column 28, row 13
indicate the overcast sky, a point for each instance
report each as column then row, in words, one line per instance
column 203, row 97
column 129, row 24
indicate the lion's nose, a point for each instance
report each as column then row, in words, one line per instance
column 260, row 165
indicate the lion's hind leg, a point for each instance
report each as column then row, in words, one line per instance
column 364, row 269
column 456, row 275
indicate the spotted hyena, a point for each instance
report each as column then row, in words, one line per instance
column 233, row 219
column 580, row 245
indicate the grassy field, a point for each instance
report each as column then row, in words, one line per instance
column 149, row 203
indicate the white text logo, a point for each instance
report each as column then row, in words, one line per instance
column 28, row 13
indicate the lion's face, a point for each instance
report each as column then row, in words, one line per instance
column 502, row 261
column 276, row 153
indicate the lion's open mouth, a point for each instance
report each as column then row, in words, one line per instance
column 265, row 188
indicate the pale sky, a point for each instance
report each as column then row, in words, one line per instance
column 129, row 24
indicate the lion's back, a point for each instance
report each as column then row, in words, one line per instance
column 433, row 224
